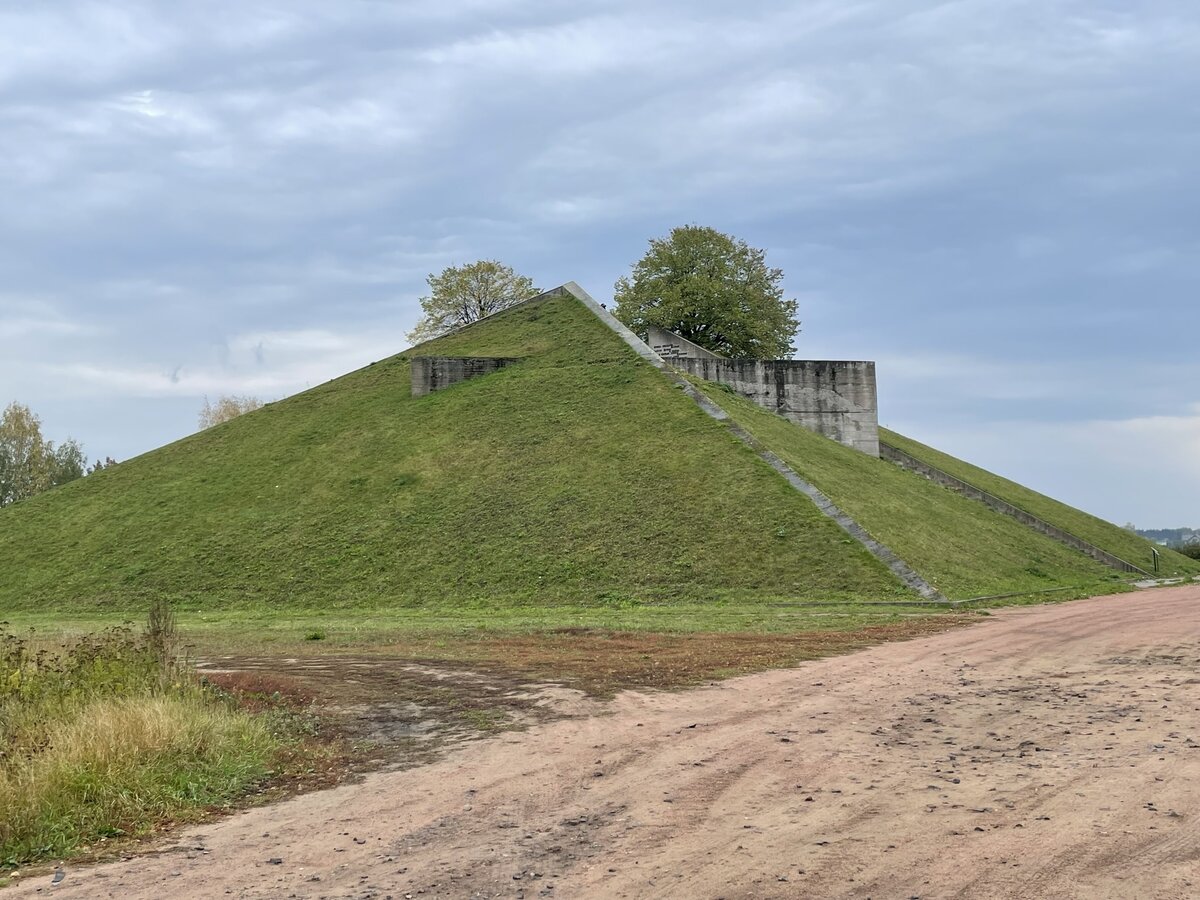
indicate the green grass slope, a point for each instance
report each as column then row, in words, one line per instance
column 960, row 546
column 580, row 475
column 1116, row 540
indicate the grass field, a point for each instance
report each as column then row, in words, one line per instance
column 1116, row 540
column 596, row 649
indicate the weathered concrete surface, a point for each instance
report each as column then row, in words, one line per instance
column 669, row 345
column 936, row 475
column 837, row 399
column 432, row 373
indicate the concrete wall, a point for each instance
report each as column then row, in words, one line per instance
column 671, row 346
column 836, row 399
column 907, row 461
column 432, row 373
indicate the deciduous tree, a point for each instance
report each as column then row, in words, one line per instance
column 30, row 464
column 228, row 406
column 460, row 295
column 713, row 289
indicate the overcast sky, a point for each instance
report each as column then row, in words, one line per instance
column 998, row 200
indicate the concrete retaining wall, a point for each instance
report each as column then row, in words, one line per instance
column 432, row 373
column 912, row 464
column 833, row 398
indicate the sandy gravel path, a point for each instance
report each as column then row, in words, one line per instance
column 1047, row 752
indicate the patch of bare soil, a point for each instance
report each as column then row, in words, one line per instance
column 1048, row 752
column 403, row 705
column 397, row 713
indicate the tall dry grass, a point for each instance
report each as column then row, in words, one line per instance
column 107, row 735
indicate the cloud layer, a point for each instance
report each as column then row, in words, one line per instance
column 994, row 198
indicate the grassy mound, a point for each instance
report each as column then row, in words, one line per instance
column 1130, row 547
column 578, row 476
column 960, row 546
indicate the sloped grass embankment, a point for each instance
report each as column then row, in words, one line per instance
column 1132, row 548
column 962, row 547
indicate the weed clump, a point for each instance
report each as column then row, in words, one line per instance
column 109, row 734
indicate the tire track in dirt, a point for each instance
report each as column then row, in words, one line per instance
column 1049, row 751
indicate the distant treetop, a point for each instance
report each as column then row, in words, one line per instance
column 713, row 289
column 228, row 406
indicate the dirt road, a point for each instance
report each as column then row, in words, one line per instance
column 1047, row 752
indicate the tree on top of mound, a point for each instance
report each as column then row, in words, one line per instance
column 713, row 289
column 460, row 295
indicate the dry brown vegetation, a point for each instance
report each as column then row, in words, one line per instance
column 602, row 662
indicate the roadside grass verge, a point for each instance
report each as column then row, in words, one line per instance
column 105, row 736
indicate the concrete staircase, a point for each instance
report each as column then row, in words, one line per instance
column 912, row 464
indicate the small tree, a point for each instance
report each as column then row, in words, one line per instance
column 30, row 464
column 228, row 406
column 713, row 289
column 460, row 295
column 68, row 462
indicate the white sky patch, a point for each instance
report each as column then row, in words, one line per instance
column 582, row 47
column 1065, row 382
column 269, row 365
column 24, row 327
column 1143, row 470
column 31, row 317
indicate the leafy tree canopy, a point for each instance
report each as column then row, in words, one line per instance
column 460, row 295
column 712, row 289
column 30, row 464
